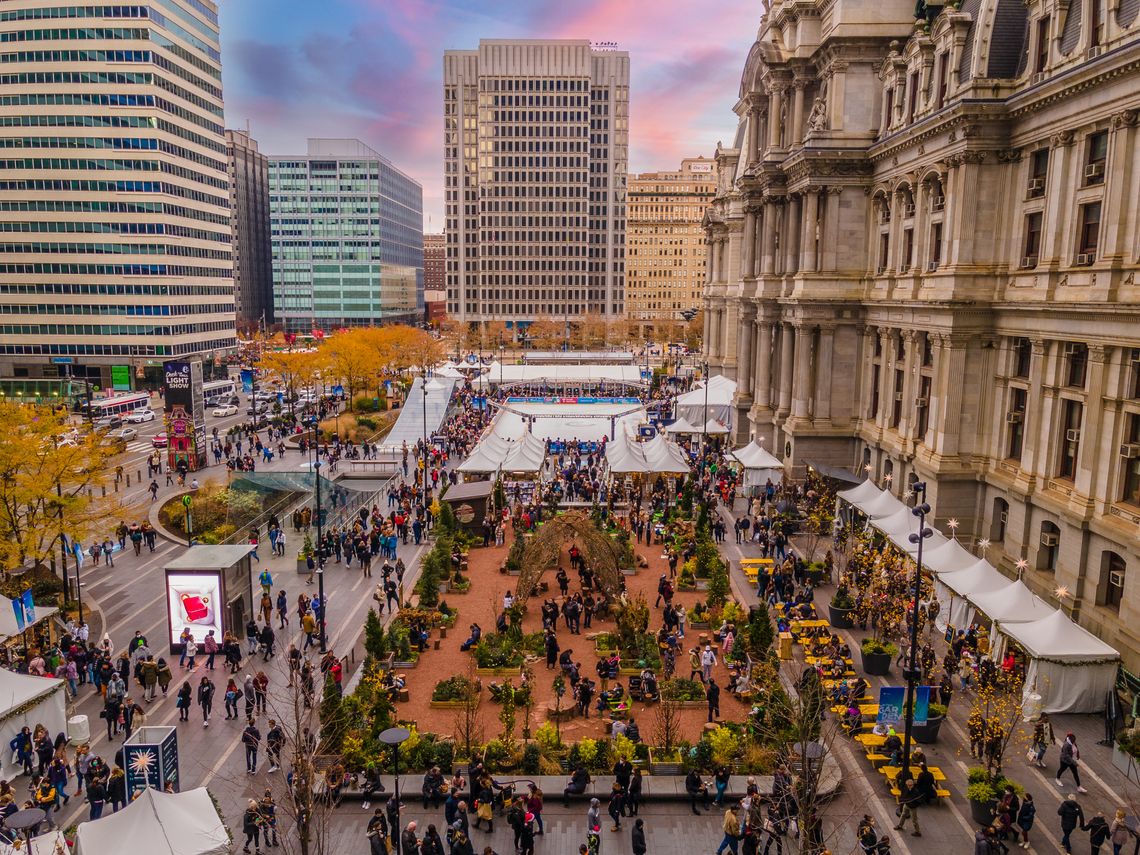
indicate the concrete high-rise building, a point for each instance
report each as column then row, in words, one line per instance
column 535, row 151
column 347, row 237
column 926, row 246
column 249, row 199
column 114, row 197
column 435, row 278
column 665, row 239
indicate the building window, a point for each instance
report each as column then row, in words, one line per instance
column 912, row 96
column 1089, row 235
column 874, row 391
column 884, row 251
column 1049, row 547
column 935, row 245
column 922, row 407
column 1022, row 357
column 1096, row 24
column 1015, row 417
column 943, row 76
column 1110, row 591
column 1096, row 154
column 927, row 351
column 1069, row 438
column 999, row 520
column 1038, row 173
column 1130, row 456
column 1041, row 59
column 1076, row 364
column 908, row 249
column 1134, row 374
column 896, row 410
column 1032, row 239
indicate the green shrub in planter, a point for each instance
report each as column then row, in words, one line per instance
column 681, row 689
column 842, row 598
column 874, row 647
column 454, row 689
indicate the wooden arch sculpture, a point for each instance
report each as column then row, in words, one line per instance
column 602, row 553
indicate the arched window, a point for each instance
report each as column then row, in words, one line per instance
column 1049, row 547
column 888, row 475
column 998, row 521
column 1110, row 591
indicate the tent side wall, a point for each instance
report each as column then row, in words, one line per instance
column 1073, row 687
column 49, row 710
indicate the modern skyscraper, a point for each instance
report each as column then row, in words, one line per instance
column 435, row 278
column 535, row 151
column 249, row 197
column 665, row 264
column 114, row 198
column 347, row 236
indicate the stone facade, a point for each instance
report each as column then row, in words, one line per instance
column 922, row 265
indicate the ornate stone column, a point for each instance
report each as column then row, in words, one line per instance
column 762, row 384
column 792, row 228
column 748, row 248
column 829, row 250
column 799, row 85
column 747, row 314
column 824, row 372
column 768, row 262
column 1097, row 453
column 1122, row 156
column 775, row 115
column 802, row 386
column 808, row 246
column 786, row 342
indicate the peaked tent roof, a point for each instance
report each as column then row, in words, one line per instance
column 487, row 456
column 682, row 426
column 623, row 457
column 17, row 690
column 979, row 578
column 52, row 843
column 721, row 392
column 1014, row 603
column 1056, row 637
column 665, row 457
column 882, row 506
column 755, row 456
column 862, row 494
column 525, row 455
column 185, row 823
column 948, row 557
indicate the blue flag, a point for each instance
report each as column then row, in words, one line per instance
column 29, row 607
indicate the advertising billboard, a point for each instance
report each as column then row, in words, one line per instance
column 121, row 378
column 150, row 759
column 194, row 601
column 185, row 415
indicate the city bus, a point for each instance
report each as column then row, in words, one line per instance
column 119, row 405
column 218, row 392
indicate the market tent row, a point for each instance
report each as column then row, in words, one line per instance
column 1069, row 668
column 410, row 426
column 522, row 456
column 582, row 422
column 692, row 405
column 8, row 626
column 52, row 843
column 501, row 373
column 158, row 823
column 760, row 466
column 26, row 700
column 657, row 456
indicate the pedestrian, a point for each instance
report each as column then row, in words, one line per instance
column 1026, row 814
column 1098, row 830
column 1071, row 818
column 712, row 695
column 183, row 701
column 1070, row 758
column 408, row 840
column 614, row 808
column 1042, row 738
column 909, row 800
column 191, row 653
column 205, row 699
column 1119, row 831
column 251, row 825
column 731, row 827
column 377, row 833
column 637, row 839
column 274, row 742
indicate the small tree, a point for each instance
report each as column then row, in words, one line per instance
column 375, row 639
column 469, row 722
column 667, row 718
column 332, row 721
column 760, row 633
column 507, row 718
column 559, row 693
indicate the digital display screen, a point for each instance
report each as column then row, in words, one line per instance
column 194, row 602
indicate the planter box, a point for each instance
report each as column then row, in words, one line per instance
column 1126, row 763
column 444, row 587
column 509, row 671
column 841, row 618
column 876, row 664
column 982, row 812
column 447, row 705
column 672, row 766
column 692, row 705
column 700, row 624
column 302, row 565
column 927, row 734
column 405, row 665
column 565, row 714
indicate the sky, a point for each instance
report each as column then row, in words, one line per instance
column 373, row 69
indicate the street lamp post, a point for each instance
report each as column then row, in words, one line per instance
column 920, row 510
column 705, row 428
column 186, row 502
column 395, row 736
column 320, row 541
column 423, row 384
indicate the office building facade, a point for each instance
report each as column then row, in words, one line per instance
column 249, row 201
column 923, row 266
column 347, row 238
column 435, row 278
column 665, row 253
column 535, row 157
column 114, row 199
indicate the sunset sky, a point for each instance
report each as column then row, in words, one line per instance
column 373, row 68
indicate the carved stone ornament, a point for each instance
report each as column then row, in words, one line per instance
column 1126, row 119
column 817, row 120
column 1009, row 155
column 1130, row 279
column 1061, row 138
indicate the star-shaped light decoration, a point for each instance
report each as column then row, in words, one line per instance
column 1061, row 592
column 868, row 468
column 888, row 477
column 142, row 762
column 952, row 524
column 1022, row 565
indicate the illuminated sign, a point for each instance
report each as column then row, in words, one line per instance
column 194, row 602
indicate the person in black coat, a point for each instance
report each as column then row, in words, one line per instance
column 712, row 695
column 377, row 833
column 637, row 839
column 696, row 790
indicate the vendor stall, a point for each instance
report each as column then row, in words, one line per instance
column 760, row 467
column 698, row 406
column 955, row 588
column 158, row 823
column 26, row 700
column 1069, row 667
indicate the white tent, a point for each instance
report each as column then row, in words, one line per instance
column 760, row 465
column 861, row 495
column 487, row 456
column 52, row 843
column 28, row 700
column 978, row 578
column 881, row 506
column 1069, row 667
column 1014, row 603
column 158, row 824
column 525, row 456
column 665, row 457
column 8, row 626
column 714, row 428
column 629, row 375
column 682, row 426
column 692, row 405
column 448, row 371
column 624, row 457
column 947, row 557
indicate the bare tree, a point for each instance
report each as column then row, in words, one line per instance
column 469, row 721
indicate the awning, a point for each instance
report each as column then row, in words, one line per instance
column 836, row 472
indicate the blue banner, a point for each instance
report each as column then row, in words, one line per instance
column 921, row 704
column 247, row 380
column 891, row 700
column 29, row 607
column 18, row 609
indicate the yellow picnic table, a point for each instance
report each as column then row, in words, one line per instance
column 752, row 567
column 813, row 623
column 871, row 710
column 892, row 772
column 870, row 740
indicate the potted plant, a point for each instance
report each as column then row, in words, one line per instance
column 303, row 556
column 877, row 656
column 841, row 608
column 983, row 791
column 927, row 734
column 1126, row 754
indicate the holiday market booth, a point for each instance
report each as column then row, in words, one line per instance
column 699, row 406
column 1069, row 667
column 158, row 823
column 52, row 843
column 26, row 700
column 760, row 467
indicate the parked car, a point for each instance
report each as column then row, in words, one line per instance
column 107, row 422
column 159, row 440
column 225, row 410
column 260, row 408
column 139, row 416
column 127, row 434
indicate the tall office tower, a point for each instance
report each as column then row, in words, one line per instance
column 665, row 264
column 347, row 235
column 435, row 278
column 535, row 149
column 249, row 198
column 114, row 199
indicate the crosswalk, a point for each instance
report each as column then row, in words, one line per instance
column 140, row 445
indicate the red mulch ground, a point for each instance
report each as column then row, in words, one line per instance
column 483, row 602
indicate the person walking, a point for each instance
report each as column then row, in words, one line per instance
column 182, row 701
column 377, row 833
column 251, row 739
column 1119, row 831
column 206, row 699
column 251, row 826
column 1042, row 738
column 1098, row 830
column 1070, row 758
column 712, row 695
column 637, row 839
column 731, row 827
column 708, row 661
column 1026, row 814
column 1071, row 817
column 909, row 800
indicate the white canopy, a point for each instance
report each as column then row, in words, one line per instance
column 859, row 496
column 948, row 557
column 979, row 578
column 499, row 372
column 682, row 426
column 623, row 457
column 448, row 370
column 8, row 626
column 157, row 824
column 883, row 505
column 1069, row 667
column 719, row 400
column 1014, row 603
column 713, row 427
column 526, row 456
column 658, row 455
column 52, row 843
column 665, row 457
column 755, row 456
column 487, row 456
column 43, row 701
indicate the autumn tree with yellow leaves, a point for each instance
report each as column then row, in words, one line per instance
column 50, row 485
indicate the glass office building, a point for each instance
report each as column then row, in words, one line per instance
column 347, row 236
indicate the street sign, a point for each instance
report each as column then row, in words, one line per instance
column 187, row 501
column 62, row 360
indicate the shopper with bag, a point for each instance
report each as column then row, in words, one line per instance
column 1070, row 758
